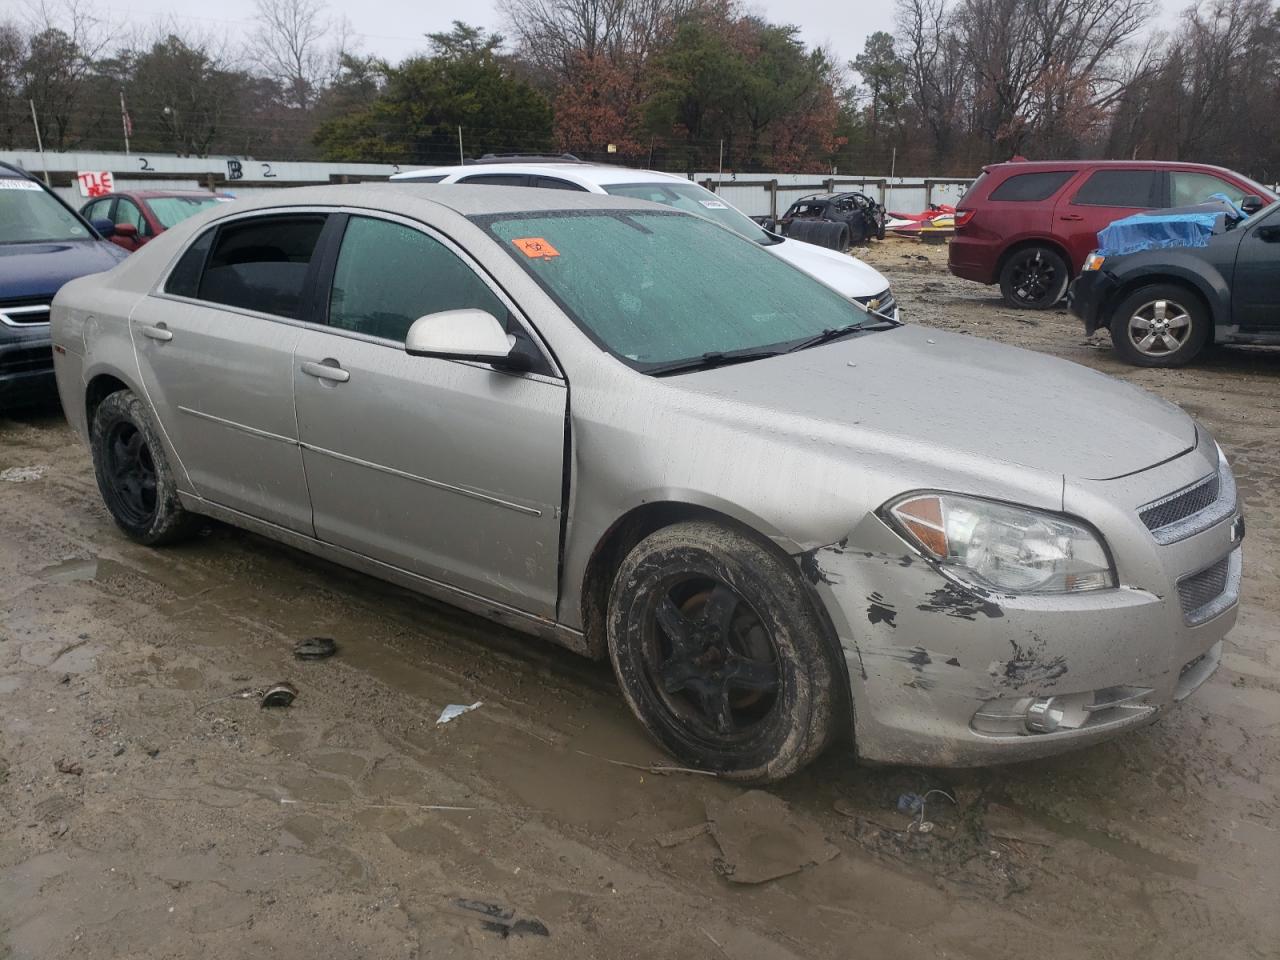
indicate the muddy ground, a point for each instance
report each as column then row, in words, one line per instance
column 148, row 809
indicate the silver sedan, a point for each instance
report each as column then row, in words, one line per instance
column 787, row 521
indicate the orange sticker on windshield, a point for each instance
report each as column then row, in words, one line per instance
column 536, row 247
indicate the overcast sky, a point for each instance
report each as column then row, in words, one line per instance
column 395, row 28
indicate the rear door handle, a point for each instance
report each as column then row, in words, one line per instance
column 1071, row 216
column 326, row 369
column 158, row 332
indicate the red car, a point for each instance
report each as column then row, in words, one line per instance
column 131, row 219
column 1029, row 225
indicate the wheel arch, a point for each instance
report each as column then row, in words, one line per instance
column 647, row 518
column 1034, row 241
column 1212, row 296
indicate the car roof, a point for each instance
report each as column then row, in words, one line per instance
column 467, row 201
column 1031, row 166
column 157, row 194
column 599, row 174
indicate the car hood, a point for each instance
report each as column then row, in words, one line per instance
column 40, row 269
column 849, row 275
column 930, row 394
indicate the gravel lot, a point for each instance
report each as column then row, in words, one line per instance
column 149, row 808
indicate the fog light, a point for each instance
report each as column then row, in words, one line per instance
column 1043, row 716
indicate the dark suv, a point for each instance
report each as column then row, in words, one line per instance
column 1029, row 225
column 43, row 244
column 1165, row 304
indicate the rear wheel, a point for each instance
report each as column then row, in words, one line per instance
column 1034, row 278
column 132, row 473
column 1160, row 325
column 720, row 653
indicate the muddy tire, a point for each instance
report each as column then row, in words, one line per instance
column 133, row 475
column 1034, row 278
column 720, row 653
column 1160, row 325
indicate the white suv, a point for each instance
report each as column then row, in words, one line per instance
column 846, row 274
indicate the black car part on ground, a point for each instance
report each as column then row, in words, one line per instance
column 823, row 233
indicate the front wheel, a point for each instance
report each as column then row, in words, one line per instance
column 1160, row 325
column 721, row 654
column 133, row 475
column 1034, row 278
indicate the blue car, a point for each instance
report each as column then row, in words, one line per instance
column 43, row 244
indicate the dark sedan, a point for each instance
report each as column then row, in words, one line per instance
column 131, row 219
column 1164, row 306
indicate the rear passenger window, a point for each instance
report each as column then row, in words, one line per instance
column 184, row 280
column 551, row 183
column 1120, row 188
column 262, row 264
column 388, row 275
column 1029, row 187
column 498, row 179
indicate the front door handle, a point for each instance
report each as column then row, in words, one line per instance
column 326, row 369
column 1071, row 216
column 158, row 332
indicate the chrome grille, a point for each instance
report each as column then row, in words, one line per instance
column 23, row 313
column 886, row 304
column 1181, row 505
column 1200, row 590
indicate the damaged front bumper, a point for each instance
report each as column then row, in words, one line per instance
column 942, row 675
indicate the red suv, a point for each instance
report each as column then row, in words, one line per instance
column 1029, row 225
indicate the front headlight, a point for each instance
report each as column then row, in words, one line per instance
column 997, row 546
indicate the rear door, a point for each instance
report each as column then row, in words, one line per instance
column 449, row 469
column 1102, row 196
column 215, row 353
column 1255, row 292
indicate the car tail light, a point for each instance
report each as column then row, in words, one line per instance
column 963, row 217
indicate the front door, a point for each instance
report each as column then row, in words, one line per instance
column 1255, row 292
column 451, row 470
column 1105, row 195
column 215, row 351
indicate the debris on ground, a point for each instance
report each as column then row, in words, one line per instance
column 674, row 838
column 1005, row 823
column 502, row 920
column 69, row 766
column 455, row 710
column 761, row 838
column 22, row 474
column 315, row 648
column 279, row 695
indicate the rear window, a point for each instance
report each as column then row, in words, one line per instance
column 262, row 264
column 1120, row 188
column 1029, row 187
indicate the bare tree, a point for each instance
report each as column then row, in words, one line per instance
column 66, row 38
column 291, row 46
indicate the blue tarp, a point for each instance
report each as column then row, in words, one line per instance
column 1157, row 232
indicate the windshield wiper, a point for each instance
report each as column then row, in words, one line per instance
column 826, row 336
column 709, row 361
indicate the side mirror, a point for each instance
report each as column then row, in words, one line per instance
column 126, row 230
column 459, row 335
column 1251, row 204
column 104, row 227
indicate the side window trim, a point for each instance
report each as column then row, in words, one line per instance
column 159, row 291
column 551, row 368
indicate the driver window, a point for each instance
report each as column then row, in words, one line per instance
column 128, row 212
column 388, row 275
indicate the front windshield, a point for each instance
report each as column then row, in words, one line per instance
column 171, row 211
column 657, row 287
column 694, row 199
column 30, row 215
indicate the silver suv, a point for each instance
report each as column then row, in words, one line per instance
column 623, row 428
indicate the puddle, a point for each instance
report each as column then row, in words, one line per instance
column 1125, row 850
column 69, row 571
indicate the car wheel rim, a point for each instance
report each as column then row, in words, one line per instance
column 131, row 475
column 1159, row 328
column 711, row 660
column 1033, row 277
